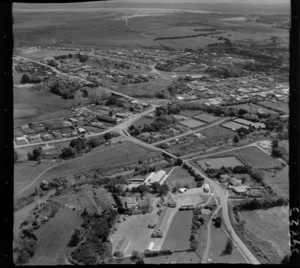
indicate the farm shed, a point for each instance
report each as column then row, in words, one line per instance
column 122, row 246
column 233, row 181
column 182, row 190
column 240, row 189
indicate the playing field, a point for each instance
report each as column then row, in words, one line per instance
column 179, row 240
column 219, row 162
column 192, row 123
column 180, row 177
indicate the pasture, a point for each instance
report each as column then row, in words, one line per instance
column 218, row 243
column 252, row 108
column 215, row 131
column 50, row 248
column 180, row 177
column 206, row 117
column 272, row 225
column 219, row 162
column 254, row 157
column 192, row 123
column 179, row 240
column 142, row 121
column 279, row 106
column 120, row 154
column 187, row 199
column 233, row 125
column 178, row 257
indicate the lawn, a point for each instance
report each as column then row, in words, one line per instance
column 182, row 177
column 50, row 248
column 218, row 243
column 192, row 123
column 215, row 131
column 271, row 225
column 188, row 199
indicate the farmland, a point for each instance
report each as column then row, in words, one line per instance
column 271, row 225
column 178, row 257
column 49, row 251
column 218, row 243
column 279, row 106
column 179, row 240
column 253, row 108
column 205, row 117
column 219, row 162
column 180, row 177
column 254, row 157
column 191, row 123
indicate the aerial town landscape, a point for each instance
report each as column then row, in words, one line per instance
column 151, row 133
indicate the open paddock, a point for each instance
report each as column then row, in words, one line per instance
column 252, row 108
column 272, row 225
column 254, row 157
column 192, row 123
column 205, row 117
column 219, row 162
column 218, row 244
column 178, row 257
column 279, row 106
column 216, row 131
column 233, row 125
column 186, row 199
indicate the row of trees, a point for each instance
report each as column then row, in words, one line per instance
column 262, row 203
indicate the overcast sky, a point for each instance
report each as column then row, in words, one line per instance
column 210, row 1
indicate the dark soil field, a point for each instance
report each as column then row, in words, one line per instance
column 179, row 240
column 180, row 176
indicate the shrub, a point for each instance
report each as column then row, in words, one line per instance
column 229, row 247
column 75, row 238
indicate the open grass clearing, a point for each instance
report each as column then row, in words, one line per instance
column 192, row 123
column 178, row 257
column 136, row 229
column 142, row 121
column 280, row 106
column 189, row 113
column 219, row 162
column 271, row 225
column 215, row 131
column 179, row 240
column 252, row 108
column 188, row 199
column 120, row 154
column 255, row 157
column 180, row 177
column 218, row 244
column 279, row 181
column 205, row 117
column 50, row 247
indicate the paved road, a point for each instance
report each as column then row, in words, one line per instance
column 223, row 195
column 190, row 131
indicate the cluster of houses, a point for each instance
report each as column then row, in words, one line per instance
column 234, row 184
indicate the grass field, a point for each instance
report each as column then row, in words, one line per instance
column 189, row 112
column 279, row 181
column 122, row 154
column 255, row 157
column 180, row 257
column 179, row 240
column 280, row 106
column 41, row 53
column 218, row 243
column 188, row 199
column 50, row 247
column 192, row 123
column 182, row 177
column 271, row 225
column 142, row 121
column 215, row 131
column 219, row 162
column 31, row 106
column 205, row 117
column 252, row 108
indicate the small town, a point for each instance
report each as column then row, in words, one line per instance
column 161, row 154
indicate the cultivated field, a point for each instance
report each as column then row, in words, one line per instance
column 218, row 243
column 179, row 240
column 271, row 225
column 219, row 162
column 180, row 177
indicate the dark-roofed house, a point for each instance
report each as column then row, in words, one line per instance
column 224, row 178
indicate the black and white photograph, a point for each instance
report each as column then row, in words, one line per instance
column 151, row 132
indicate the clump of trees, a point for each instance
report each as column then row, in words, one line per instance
column 75, row 239
column 217, row 222
column 66, row 89
column 228, row 248
column 262, row 203
column 26, row 78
